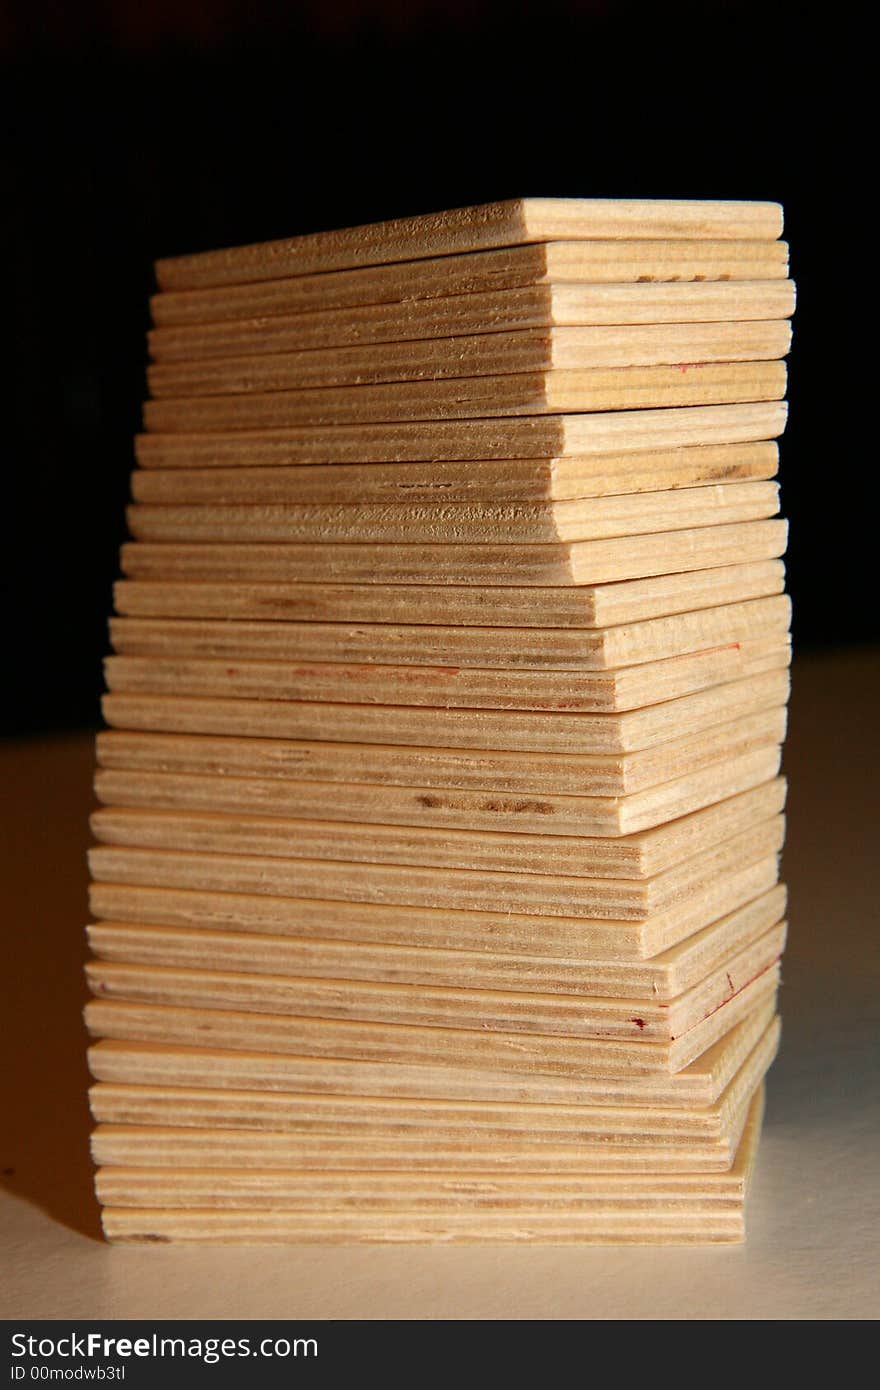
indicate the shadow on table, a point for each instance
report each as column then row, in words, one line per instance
column 44, row 1137
column 827, row 1064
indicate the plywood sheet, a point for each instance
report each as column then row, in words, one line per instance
column 128, row 1226
column 264, row 1190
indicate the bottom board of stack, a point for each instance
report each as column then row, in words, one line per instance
column 436, row 889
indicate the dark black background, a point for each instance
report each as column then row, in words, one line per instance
column 144, row 129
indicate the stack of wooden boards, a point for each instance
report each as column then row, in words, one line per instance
column 436, row 894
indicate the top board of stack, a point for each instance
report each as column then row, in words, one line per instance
column 436, row 892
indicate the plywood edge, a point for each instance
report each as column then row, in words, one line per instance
column 549, row 219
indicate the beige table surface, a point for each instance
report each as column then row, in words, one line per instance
column 814, row 1213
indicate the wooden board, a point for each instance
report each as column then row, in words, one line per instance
column 508, row 939
column 455, row 687
column 244, row 774
column 226, row 808
column 516, row 222
column 599, row 606
column 126, row 1056
column 555, row 392
column 311, row 1192
column 403, row 643
column 472, row 523
column 235, row 1006
column 472, row 354
column 535, row 437
column 164, row 849
column 128, row 1226
column 562, row 564
column 564, row 304
column 513, row 730
column 482, row 1122
column 657, row 271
